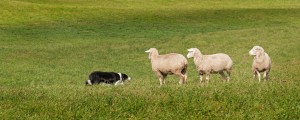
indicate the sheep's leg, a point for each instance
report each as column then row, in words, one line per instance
column 201, row 77
column 228, row 74
column 258, row 75
column 254, row 74
column 207, row 78
column 161, row 77
column 184, row 72
column 181, row 76
column 266, row 75
column 228, row 77
column 181, row 81
column 185, row 78
column 164, row 78
column 223, row 75
column 161, row 81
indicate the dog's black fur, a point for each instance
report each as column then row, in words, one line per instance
column 98, row 77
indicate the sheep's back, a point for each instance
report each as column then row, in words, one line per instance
column 169, row 62
column 268, row 58
column 218, row 61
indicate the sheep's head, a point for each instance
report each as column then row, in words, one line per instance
column 191, row 52
column 256, row 51
column 151, row 51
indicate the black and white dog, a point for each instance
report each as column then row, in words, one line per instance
column 98, row 77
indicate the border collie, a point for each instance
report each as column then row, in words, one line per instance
column 98, row 77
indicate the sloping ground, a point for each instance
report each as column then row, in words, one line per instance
column 48, row 47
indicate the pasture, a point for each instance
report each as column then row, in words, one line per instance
column 49, row 47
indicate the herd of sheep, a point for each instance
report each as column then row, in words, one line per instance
column 176, row 64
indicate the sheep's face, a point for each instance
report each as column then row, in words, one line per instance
column 256, row 51
column 150, row 52
column 191, row 53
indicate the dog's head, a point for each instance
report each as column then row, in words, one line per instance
column 125, row 77
column 88, row 82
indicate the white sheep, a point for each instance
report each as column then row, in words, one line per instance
column 172, row 63
column 209, row 64
column 261, row 62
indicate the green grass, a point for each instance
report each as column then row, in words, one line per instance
column 48, row 48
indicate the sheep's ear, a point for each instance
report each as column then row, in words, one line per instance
column 148, row 51
column 190, row 54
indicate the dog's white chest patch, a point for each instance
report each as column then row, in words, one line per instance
column 119, row 82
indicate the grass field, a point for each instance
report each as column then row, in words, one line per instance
column 48, row 48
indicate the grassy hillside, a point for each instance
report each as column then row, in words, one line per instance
column 48, row 48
